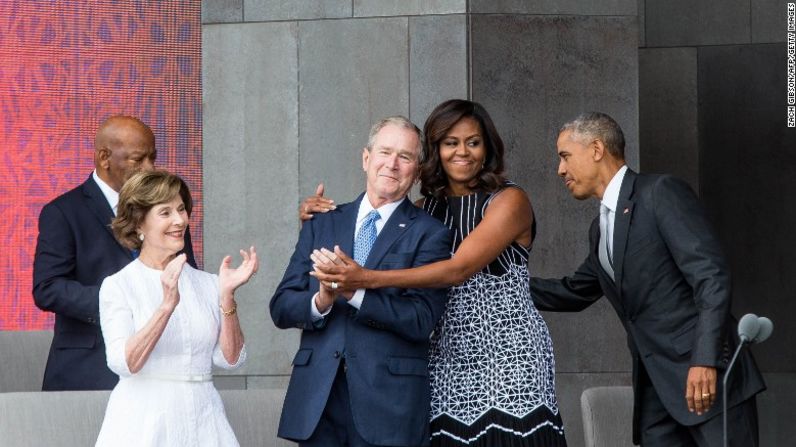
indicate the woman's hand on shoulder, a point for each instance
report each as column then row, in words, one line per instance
column 315, row 204
column 229, row 279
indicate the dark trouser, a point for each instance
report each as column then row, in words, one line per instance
column 659, row 429
column 336, row 427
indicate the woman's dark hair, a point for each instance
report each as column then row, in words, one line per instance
column 433, row 179
column 140, row 194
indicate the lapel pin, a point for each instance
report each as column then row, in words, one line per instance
column 627, row 210
column 402, row 225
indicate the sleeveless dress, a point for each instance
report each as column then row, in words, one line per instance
column 171, row 401
column 491, row 360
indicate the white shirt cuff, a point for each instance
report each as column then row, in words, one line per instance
column 316, row 314
column 356, row 300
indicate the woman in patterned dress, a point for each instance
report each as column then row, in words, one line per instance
column 492, row 369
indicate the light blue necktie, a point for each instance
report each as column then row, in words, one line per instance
column 364, row 240
column 604, row 251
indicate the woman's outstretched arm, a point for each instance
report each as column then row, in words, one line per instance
column 507, row 219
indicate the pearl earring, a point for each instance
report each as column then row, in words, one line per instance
column 141, row 237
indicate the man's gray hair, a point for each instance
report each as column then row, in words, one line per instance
column 598, row 126
column 400, row 121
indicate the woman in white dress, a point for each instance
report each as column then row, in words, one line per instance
column 165, row 324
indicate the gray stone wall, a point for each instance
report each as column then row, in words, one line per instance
column 712, row 110
column 533, row 73
column 290, row 92
column 291, row 88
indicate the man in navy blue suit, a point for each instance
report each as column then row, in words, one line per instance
column 360, row 376
column 76, row 250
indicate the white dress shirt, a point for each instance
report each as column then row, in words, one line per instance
column 110, row 194
column 610, row 201
column 365, row 207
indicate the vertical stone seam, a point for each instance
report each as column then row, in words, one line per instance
column 469, row 49
column 409, row 68
column 751, row 24
column 298, row 111
column 700, row 134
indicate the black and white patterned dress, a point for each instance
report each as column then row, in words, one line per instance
column 491, row 362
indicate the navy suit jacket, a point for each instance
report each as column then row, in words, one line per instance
column 671, row 293
column 75, row 251
column 385, row 343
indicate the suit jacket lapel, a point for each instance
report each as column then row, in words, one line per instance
column 345, row 226
column 400, row 220
column 610, row 288
column 622, row 219
column 98, row 204
column 100, row 208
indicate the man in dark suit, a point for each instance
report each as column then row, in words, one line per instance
column 76, row 250
column 360, row 377
column 654, row 255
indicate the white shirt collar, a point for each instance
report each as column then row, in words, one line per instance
column 110, row 194
column 385, row 211
column 611, row 194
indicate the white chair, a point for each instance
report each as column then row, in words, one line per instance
column 74, row 418
column 607, row 416
column 24, row 356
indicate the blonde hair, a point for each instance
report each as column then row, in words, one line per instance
column 139, row 194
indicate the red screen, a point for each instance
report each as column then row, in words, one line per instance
column 65, row 66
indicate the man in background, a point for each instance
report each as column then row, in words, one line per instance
column 76, row 250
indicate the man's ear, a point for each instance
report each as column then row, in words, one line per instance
column 104, row 155
column 598, row 149
column 365, row 158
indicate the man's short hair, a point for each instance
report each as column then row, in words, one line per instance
column 598, row 126
column 397, row 120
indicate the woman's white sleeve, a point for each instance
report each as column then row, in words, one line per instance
column 116, row 320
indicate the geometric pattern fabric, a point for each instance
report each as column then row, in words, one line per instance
column 491, row 361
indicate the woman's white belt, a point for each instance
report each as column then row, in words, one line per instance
column 177, row 377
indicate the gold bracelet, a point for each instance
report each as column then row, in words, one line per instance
column 229, row 312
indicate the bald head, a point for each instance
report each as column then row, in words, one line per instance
column 123, row 146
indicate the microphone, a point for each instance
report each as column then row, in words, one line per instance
column 748, row 327
column 751, row 329
column 766, row 328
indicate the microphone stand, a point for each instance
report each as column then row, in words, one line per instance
column 724, row 387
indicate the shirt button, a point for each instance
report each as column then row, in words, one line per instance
column 337, row 354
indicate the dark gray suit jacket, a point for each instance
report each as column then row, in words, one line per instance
column 672, row 292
